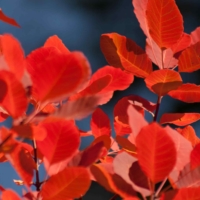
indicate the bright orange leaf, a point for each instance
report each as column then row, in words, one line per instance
column 189, row 60
column 179, row 119
column 72, row 182
column 163, row 81
column 124, row 53
column 153, row 147
column 164, row 21
column 189, row 93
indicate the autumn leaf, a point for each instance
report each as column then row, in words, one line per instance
column 7, row 19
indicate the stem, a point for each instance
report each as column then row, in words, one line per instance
column 5, row 140
column 160, row 187
column 37, row 183
column 157, row 108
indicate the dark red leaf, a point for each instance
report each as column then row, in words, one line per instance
column 7, row 19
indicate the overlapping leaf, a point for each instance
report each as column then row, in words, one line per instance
column 195, row 157
column 195, row 35
column 179, row 119
column 12, row 96
column 100, row 123
column 72, row 182
column 7, row 19
column 189, row 60
column 55, row 41
column 164, row 21
column 55, row 75
column 124, row 53
column 61, row 142
column 163, row 81
column 126, row 144
column 153, row 147
column 9, row 195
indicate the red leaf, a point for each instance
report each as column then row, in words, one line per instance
column 12, row 55
column 55, row 41
column 7, row 19
column 121, row 80
column 179, row 119
column 23, row 163
column 184, row 193
column 100, row 123
column 72, row 182
column 153, row 147
column 105, row 139
column 122, row 165
column 13, row 96
column 136, row 121
column 195, row 35
column 29, row 131
column 189, row 60
column 163, row 81
column 9, row 195
column 79, row 108
column 164, row 21
column 195, row 157
column 91, row 154
column 183, row 148
column 52, row 75
column 124, row 53
column 61, row 142
column 189, row 93
column 188, row 132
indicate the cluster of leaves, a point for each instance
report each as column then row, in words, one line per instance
column 58, row 84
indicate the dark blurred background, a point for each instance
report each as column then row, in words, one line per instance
column 80, row 23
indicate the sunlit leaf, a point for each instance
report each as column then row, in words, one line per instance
column 153, row 147
column 9, row 195
column 61, row 142
column 7, row 19
column 189, row 93
column 163, row 81
column 55, row 41
column 100, row 123
column 55, row 75
column 124, row 53
column 72, row 182
column 179, row 119
column 165, row 22
column 12, row 96
column 189, row 60
column 188, row 132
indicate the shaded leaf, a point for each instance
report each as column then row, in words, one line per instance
column 100, row 123
column 52, row 73
column 189, row 60
column 164, row 21
column 72, row 182
column 124, row 53
column 61, row 142
column 189, row 93
column 179, row 119
column 153, row 147
column 7, row 19
column 163, row 81
column 105, row 139
column 125, row 144
column 55, row 41
column 12, row 96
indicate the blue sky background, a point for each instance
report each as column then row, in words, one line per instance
column 79, row 23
